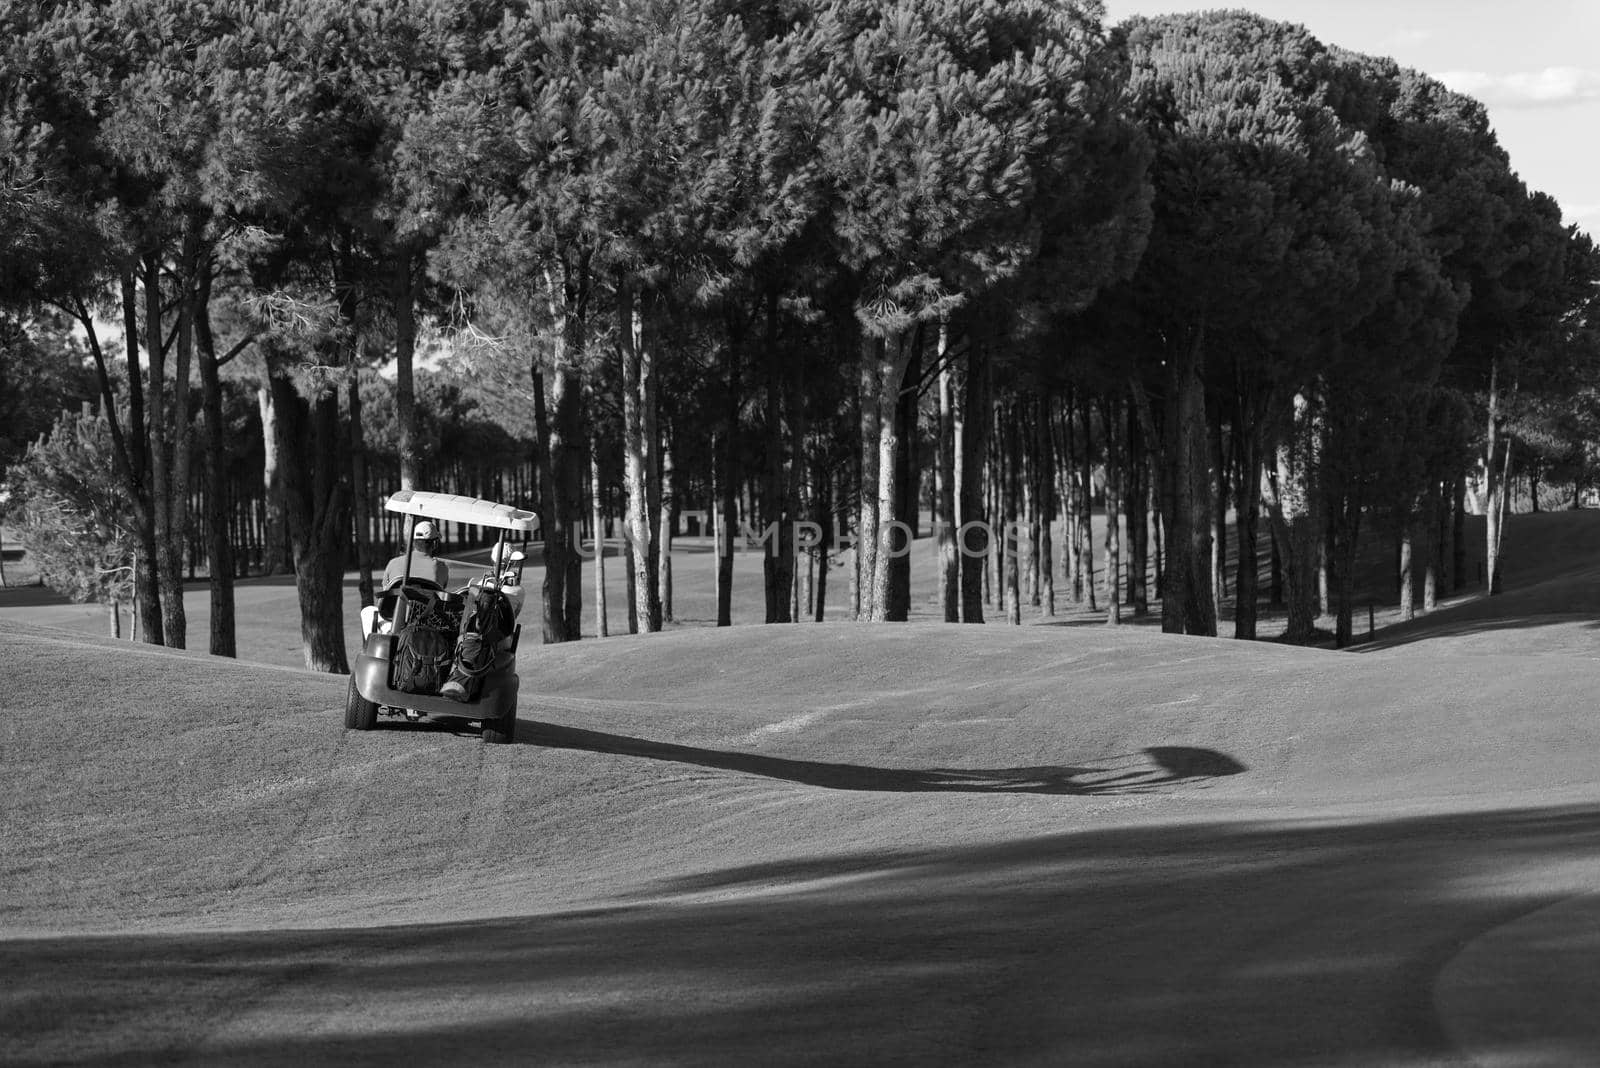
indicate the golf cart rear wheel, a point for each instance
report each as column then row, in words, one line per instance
column 502, row 730
column 360, row 714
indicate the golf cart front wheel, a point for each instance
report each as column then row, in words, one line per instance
column 360, row 714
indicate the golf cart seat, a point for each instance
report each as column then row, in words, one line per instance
column 378, row 618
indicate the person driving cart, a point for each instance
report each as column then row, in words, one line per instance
column 425, row 562
column 425, row 565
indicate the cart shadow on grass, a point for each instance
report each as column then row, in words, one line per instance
column 1147, row 770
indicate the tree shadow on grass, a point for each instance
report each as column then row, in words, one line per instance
column 1249, row 943
column 1147, row 621
column 1443, row 625
column 1150, row 769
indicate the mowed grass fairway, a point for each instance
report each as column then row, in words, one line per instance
column 824, row 844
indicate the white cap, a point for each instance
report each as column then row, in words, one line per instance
column 424, row 529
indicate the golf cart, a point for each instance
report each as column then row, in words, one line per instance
column 382, row 682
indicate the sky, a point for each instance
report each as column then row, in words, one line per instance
column 1535, row 64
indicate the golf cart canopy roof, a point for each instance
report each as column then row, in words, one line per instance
column 457, row 509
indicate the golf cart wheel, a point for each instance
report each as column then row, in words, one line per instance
column 359, row 713
column 502, row 730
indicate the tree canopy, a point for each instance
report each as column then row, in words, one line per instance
column 836, row 263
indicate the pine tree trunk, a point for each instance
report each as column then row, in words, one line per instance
column 1297, row 520
column 1341, row 572
column 1073, row 498
column 219, row 546
column 1006, row 477
column 1458, row 533
column 1432, row 544
column 1494, row 486
column 1027, row 482
column 869, row 388
column 888, row 542
column 1136, row 507
column 1324, row 601
column 664, row 529
column 826, row 519
column 168, row 536
column 1497, row 509
column 902, row 409
column 183, row 440
column 630, row 584
column 403, row 298
column 805, row 576
column 728, row 474
column 857, row 480
column 567, row 464
column 318, row 514
column 638, row 435
column 557, row 394
column 1114, row 435
column 806, row 599
column 1219, row 518
column 1160, row 553
column 1408, row 605
column 646, row 337
column 275, row 544
column 795, row 500
column 1045, row 452
column 598, row 516
column 1086, row 504
column 134, row 456
column 1275, row 593
column 361, row 492
column 1248, row 520
column 777, row 558
column 1188, row 607
column 722, row 530
column 971, row 435
column 945, row 520
column 319, row 583
column 996, row 571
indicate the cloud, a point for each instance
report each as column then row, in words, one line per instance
column 1409, row 35
column 1547, row 88
column 1585, row 216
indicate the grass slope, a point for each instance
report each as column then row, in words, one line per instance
column 144, row 788
column 875, row 824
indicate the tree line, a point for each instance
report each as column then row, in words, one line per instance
column 835, row 262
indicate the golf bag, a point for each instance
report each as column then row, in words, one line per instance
column 485, row 622
column 422, row 650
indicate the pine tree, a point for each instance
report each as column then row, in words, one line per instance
column 1269, row 243
column 67, row 508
